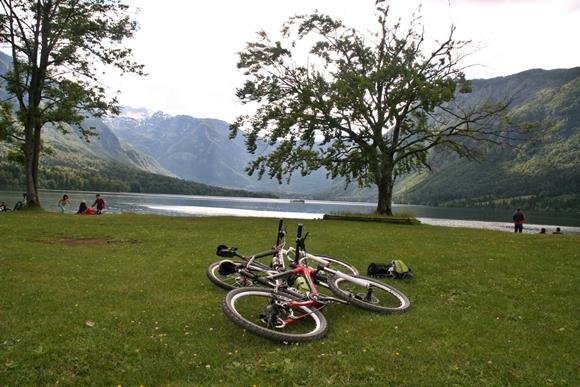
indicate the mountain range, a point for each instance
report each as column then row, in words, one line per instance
column 543, row 173
column 200, row 150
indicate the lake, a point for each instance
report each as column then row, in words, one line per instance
column 190, row 205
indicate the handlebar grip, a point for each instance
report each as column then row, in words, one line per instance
column 299, row 243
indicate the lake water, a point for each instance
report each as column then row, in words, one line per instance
column 188, row 205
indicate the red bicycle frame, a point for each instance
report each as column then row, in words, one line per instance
column 308, row 273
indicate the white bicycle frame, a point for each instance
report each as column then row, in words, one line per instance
column 286, row 254
column 326, row 265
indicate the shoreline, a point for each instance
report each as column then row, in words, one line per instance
column 485, row 225
column 186, row 205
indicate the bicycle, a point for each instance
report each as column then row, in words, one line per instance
column 243, row 271
column 282, row 313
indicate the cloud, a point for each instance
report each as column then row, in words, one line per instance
column 190, row 47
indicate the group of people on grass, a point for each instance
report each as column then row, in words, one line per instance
column 18, row 206
column 519, row 217
column 96, row 209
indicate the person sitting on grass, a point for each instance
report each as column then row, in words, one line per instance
column 85, row 210
column 558, row 231
column 3, row 207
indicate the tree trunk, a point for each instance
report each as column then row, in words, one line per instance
column 33, row 138
column 32, row 155
column 385, row 184
column 35, row 201
column 31, row 182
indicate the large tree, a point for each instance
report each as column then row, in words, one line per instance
column 365, row 107
column 58, row 49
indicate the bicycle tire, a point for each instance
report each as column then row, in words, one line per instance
column 257, row 309
column 381, row 298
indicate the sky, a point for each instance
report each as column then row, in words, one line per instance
column 190, row 47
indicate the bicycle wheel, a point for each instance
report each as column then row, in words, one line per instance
column 268, row 313
column 373, row 295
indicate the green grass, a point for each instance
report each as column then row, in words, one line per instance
column 489, row 307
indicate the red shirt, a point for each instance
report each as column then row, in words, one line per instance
column 519, row 218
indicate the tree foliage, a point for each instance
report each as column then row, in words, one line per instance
column 58, row 49
column 366, row 108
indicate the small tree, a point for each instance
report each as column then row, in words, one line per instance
column 57, row 47
column 366, row 109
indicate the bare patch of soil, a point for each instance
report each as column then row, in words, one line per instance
column 85, row 242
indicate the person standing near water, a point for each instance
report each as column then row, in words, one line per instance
column 100, row 203
column 518, row 218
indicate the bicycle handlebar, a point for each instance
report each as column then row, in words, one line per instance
column 281, row 233
column 300, row 242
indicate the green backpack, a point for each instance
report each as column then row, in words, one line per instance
column 395, row 269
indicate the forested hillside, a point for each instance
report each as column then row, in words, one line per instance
column 543, row 173
column 105, row 175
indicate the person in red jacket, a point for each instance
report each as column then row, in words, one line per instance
column 518, row 218
column 84, row 210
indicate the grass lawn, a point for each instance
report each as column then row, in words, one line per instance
column 124, row 299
